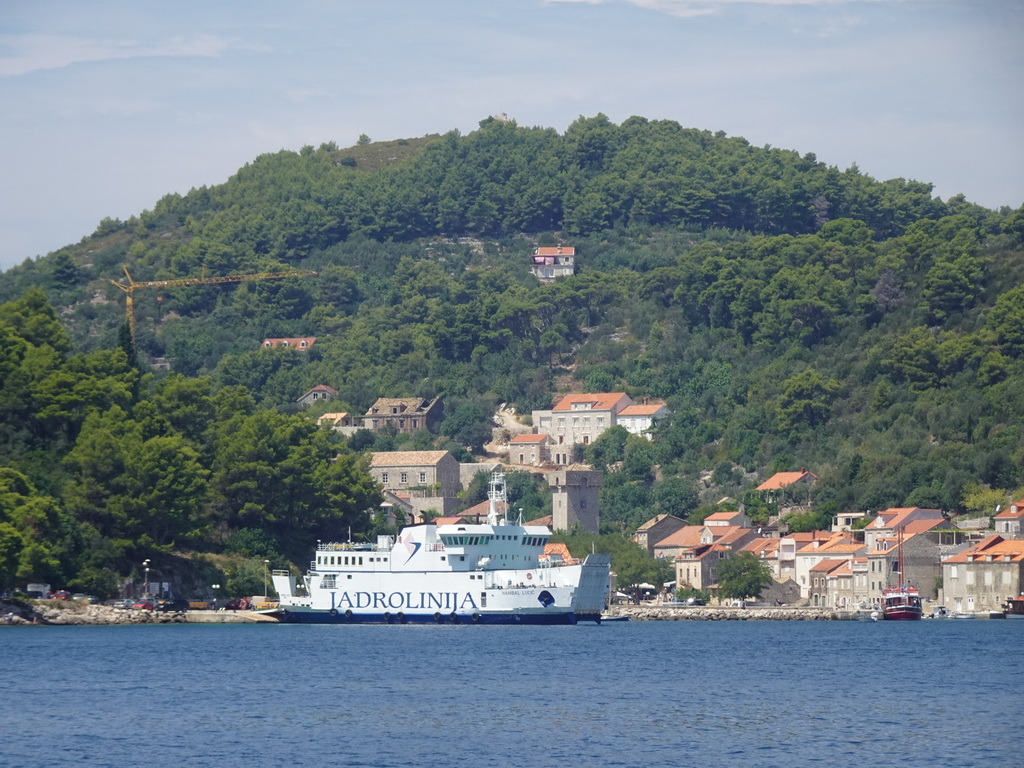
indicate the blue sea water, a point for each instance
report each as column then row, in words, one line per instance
column 929, row 693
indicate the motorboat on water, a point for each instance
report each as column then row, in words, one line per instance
column 490, row 573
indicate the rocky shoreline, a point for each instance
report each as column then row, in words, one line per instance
column 67, row 612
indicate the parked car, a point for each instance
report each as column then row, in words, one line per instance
column 144, row 604
column 172, row 605
column 238, row 604
column 61, row 594
column 694, row 601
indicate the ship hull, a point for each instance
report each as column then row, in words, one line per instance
column 902, row 614
column 400, row 617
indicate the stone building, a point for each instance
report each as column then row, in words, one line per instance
column 552, row 262
column 574, row 497
column 983, row 576
column 404, row 414
column 428, row 479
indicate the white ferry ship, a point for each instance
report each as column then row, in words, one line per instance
column 491, row 573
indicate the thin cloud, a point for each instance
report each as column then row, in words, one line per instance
column 692, row 8
column 33, row 53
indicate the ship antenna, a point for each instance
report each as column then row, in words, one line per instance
column 496, row 493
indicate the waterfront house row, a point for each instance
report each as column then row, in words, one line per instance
column 848, row 568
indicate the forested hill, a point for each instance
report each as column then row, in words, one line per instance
column 790, row 314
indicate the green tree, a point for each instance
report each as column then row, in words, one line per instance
column 742, row 575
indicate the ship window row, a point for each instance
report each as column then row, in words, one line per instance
column 330, row 560
column 456, row 541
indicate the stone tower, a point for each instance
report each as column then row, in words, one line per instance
column 574, row 497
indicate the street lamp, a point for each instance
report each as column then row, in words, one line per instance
column 145, row 568
column 214, row 600
column 265, row 564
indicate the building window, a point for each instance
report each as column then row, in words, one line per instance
column 405, row 477
column 423, row 477
column 384, row 478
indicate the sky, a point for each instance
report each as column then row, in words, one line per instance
column 105, row 107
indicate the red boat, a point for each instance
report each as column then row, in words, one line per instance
column 902, row 603
column 1015, row 607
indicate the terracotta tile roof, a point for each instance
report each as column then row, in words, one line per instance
column 782, row 479
column 841, row 547
column 333, row 418
column 1016, row 510
column 323, row 388
column 655, row 520
column 688, row 536
column 762, row 547
column 843, row 570
column 1006, row 550
column 557, row 551
column 599, row 401
column 642, row 410
column 483, row 509
column 296, row 343
column 547, row 520
column 921, row 526
column 406, row 458
column 727, row 534
column 382, row 406
column 528, row 439
column 828, row 565
column 448, row 520
column 897, row 517
column 722, row 516
column 555, row 250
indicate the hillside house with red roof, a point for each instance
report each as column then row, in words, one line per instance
column 983, row 576
column 321, row 393
column 641, row 419
column 529, row 449
column 1010, row 522
column 579, row 419
column 301, row 343
column 549, row 263
column 788, row 485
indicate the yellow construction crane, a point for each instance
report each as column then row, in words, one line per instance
column 132, row 286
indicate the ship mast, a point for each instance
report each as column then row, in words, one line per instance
column 496, row 493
